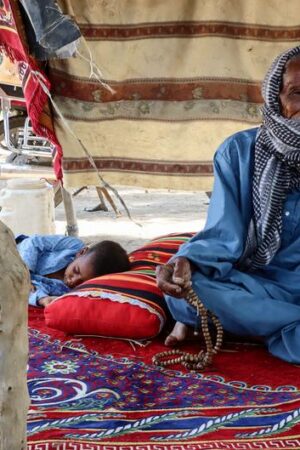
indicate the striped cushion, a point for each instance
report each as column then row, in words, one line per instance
column 158, row 251
column 124, row 305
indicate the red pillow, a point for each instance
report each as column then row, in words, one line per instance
column 123, row 305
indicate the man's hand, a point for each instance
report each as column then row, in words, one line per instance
column 174, row 278
column 45, row 301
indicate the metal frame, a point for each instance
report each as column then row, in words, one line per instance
column 6, row 108
column 28, row 143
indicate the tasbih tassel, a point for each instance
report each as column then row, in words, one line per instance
column 204, row 358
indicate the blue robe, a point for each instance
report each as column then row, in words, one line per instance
column 266, row 302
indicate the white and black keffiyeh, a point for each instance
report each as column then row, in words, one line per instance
column 276, row 170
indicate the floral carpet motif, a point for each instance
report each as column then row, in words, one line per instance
column 83, row 398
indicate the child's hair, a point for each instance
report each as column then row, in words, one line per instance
column 108, row 257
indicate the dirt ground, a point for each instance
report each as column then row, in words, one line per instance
column 154, row 213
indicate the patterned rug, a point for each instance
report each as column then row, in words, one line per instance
column 104, row 394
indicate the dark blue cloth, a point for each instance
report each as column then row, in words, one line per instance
column 48, row 29
column 263, row 303
column 45, row 255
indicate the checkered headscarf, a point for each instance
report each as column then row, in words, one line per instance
column 276, row 170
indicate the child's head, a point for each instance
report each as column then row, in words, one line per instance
column 100, row 259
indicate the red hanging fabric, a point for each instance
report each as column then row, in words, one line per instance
column 13, row 43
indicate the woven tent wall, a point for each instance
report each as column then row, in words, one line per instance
column 185, row 74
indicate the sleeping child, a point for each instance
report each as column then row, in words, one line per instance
column 57, row 263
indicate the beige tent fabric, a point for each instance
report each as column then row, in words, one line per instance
column 184, row 74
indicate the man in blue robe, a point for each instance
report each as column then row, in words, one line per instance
column 245, row 264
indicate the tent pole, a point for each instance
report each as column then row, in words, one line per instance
column 72, row 227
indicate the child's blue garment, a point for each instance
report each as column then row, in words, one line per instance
column 44, row 255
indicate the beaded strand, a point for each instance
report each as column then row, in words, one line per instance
column 204, row 358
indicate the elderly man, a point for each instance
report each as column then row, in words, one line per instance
column 245, row 264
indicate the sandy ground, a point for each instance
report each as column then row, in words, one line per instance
column 154, row 213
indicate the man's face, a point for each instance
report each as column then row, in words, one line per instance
column 290, row 92
column 80, row 270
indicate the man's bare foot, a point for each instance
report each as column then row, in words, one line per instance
column 177, row 335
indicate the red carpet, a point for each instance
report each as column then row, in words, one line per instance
column 103, row 394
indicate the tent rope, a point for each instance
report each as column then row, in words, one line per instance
column 103, row 182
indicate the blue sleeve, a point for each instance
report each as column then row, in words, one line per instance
column 214, row 250
column 34, row 296
column 33, row 247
